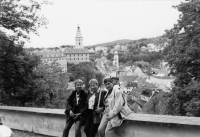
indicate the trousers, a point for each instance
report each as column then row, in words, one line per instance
column 90, row 128
column 68, row 126
column 105, row 128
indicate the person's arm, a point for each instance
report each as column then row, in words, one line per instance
column 119, row 101
column 69, row 103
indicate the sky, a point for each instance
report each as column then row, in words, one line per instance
column 103, row 21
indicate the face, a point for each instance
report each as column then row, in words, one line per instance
column 93, row 87
column 115, row 82
column 109, row 85
column 79, row 86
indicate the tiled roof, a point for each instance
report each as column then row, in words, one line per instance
column 49, row 53
column 140, row 102
column 75, row 51
column 127, row 78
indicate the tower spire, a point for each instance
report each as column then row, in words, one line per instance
column 78, row 38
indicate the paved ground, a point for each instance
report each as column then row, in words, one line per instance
column 17, row 133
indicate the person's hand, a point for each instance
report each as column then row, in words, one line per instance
column 99, row 110
column 107, row 110
column 77, row 115
column 108, row 117
column 71, row 114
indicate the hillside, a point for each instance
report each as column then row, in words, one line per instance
column 144, row 41
column 122, row 42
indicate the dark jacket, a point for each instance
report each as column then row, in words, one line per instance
column 101, row 104
column 71, row 103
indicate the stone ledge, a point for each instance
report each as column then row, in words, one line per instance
column 167, row 119
column 34, row 110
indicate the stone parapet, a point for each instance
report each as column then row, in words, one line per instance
column 52, row 121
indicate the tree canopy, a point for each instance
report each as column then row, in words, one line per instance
column 21, row 17
column 184, row 60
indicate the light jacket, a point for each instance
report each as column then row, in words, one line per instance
column 115, row 103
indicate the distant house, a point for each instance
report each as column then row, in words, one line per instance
column 104, row 49
column 143, row 48
column 117, row 47
column 127, row 82
column 124, row 48
column 137, row 71
column 112, row 51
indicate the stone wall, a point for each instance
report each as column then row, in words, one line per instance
column 52, row 121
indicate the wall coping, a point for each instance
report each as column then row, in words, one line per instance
column 34, row 110
column 164, row 119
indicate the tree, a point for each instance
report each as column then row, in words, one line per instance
column 17, row 79
column 21, row 17
column 51, row 85
column 16, row 73
column 184, row 60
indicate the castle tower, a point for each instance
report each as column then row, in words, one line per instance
column 116, row 59
column 78, row 38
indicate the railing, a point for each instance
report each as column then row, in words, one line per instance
column 51, row 122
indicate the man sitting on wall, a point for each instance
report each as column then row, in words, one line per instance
column 75, row 109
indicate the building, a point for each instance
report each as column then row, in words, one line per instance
column 116, row 60
column 124, row 48
column 76, row 55
column 79, row 38
column 48, row 56
column 104, row 49
column 72, row 54
column 118, row 47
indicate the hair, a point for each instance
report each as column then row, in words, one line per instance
column 115, row 78
column 78, row 81
column 93, row 81
column 107, row 80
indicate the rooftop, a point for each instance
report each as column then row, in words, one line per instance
column 75, row 51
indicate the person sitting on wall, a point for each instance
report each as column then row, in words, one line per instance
column 76, row 107
column 95, row 108
column 113, row 102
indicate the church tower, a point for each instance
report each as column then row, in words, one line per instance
column 78, row 38
column 116, row 59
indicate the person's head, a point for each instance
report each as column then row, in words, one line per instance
column 108, row 83
column 115, row 80
column 94, row 84
column 78, row 84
